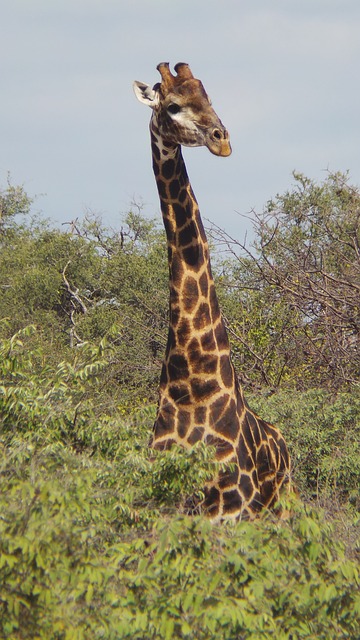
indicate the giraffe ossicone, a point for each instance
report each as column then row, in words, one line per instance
column 199, row 396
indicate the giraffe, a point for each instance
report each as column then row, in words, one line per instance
column 200, row 397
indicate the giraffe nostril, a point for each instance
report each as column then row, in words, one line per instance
column 217, row 134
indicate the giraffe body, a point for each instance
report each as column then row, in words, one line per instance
column 200, row 397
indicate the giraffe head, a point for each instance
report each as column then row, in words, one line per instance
column 182, row 110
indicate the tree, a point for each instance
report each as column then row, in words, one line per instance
column 86, row 283
column 299, row 286
column 14, row 201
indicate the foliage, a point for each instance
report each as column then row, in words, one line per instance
column 322, row 433
column 80, row 287
column 72, row 567
column 33, row 396
column 93, row 545
column 14, row 202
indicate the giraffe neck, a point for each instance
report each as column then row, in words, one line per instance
column 193, row 297
column 181, row 216
column 197, row 369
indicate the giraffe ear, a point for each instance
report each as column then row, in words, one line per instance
column 146, row 94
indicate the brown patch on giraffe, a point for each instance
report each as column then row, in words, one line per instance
column 184, row 182
column 156, row 168
column 267, row 491
column 246, row 486
column 168, row 169
column 247, row 432
column 226, row 370
column 176, row 270
column 164, row 424
column 200, row 414
column 204, row 284
column 188, row 234
column 245, row 458
column 156, row 155
column 202, row 231
column 174, row 315
column 205, row 363
column 183, row 332
column 194, row 350
column 227, row 425
column 215, row 310
column 169, row 145
column 256, row 503
column 190, row 294
column 196, row 435
column 232, row 502
column 177, row 367
column 180, row 393
column 203, row 389
column 207, row 341
column 183, row 423
column 264, row 462
column 228, row 478
column 174, row 188
column 218, row 407
column 254, row 427
column 166, row 407
column 162, row 188
column 164, row 379
column 240, row 403
column 221, row 337
column 166, row 210
column 211, row 502
column 193, row 255
column 223, row 448
column 181, row 216
column 169, row 226
column 202, row 317
column 171, row 341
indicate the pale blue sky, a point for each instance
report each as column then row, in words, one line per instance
column 283, row 77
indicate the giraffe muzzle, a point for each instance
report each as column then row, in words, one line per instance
column 218, row 142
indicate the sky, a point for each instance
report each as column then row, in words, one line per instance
column 283, row 77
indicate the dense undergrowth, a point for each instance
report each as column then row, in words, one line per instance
column 94, row 545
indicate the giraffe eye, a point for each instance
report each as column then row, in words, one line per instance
column 173, row 108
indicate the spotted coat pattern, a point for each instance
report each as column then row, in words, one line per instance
column 200, row 397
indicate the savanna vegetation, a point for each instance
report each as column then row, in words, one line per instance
column 93, row 540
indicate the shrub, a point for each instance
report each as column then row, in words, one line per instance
column 322, row 432
column 92, row 544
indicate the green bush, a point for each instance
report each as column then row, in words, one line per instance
column 69, row 569
column 92, row 544
column 322, row 432
column 37, row 395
